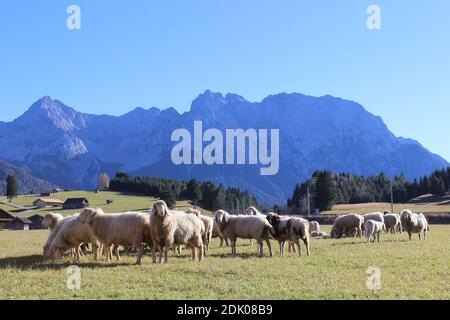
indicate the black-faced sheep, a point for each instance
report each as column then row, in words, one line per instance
column 245, row 227
column 414, row 223
column 290, row 229
column 171, row 228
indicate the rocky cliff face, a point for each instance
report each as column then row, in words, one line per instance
column 70, row 148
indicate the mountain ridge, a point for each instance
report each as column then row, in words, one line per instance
column 70, row 148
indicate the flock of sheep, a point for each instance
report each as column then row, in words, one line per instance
column 163, row 229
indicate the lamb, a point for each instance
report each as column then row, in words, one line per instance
column 290, row 229
column 414, row 223
column 208, row 222
column 347, row 224
column 72, row 234
column 171, row 228
column 392, row 222
column 246, row 227
column 314, row 226
column 126, row 229
column 373, row 228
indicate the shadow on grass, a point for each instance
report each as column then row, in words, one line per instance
column 38, row 262
column 364, row 242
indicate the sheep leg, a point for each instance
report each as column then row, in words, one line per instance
column 139, row 253
column 420, row 237
column 261, row 250
column 154, row 252
column 233, row 247
column 166, row 252
column 270, row 247
column 306, row 242
column 410, row 235
column 117, row 251
column 281, row 243
column 221, row 242
column 193, row 253
column 378, row 236
column 201, row 254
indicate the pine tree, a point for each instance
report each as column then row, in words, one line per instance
column 169, row 197
column 12, row 187
column 437, row 186
column 325, row 191
column 194, row 191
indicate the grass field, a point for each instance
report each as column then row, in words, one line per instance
column 335, row 270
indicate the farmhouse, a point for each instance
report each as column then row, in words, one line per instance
column 45, row 202
column 5, row 218
column 76, row 203
column 20, row 223
column 36, row 222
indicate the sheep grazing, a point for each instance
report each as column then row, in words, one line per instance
column 347, row 224
column 392, row 222
column 54, row 222
column 245, row 227
column 414, row 223
column 374, row 228
column 208, row 222
column 125, row 229
column 171, row 228
column 290, row 229
column 314, row 226
column 71, row 235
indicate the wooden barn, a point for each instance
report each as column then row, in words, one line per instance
column 5, row 219
column 76, row 203
column 36, row 222
column 19, row 223
column 46, row 202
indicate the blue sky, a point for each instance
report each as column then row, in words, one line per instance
column 145, row 53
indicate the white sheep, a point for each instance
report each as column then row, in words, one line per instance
column 71, row 235
column 252, row 211
column 314, row 226
column 392, row 222
column 414, row 223
column 245, row 227
column 373, row 228
column 346, row 225
column 291, row 229
column 208, row 222
column 171, row 228
column 54, row 222
column 126, row 229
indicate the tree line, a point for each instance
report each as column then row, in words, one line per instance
column 205, row 194
column 327, row 189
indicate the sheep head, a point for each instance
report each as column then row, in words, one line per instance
column 87, row 215
column 56, row 253
column 221, row 216
column 407, row 215
column 160, row 208
column 273, row 218
column 48, row 220
column 251, row 211
column 193, row 211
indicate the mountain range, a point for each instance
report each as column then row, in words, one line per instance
column 69, row 148
column 27, row 183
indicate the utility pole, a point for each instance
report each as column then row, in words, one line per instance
column 392, row 197
column 309, row 206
